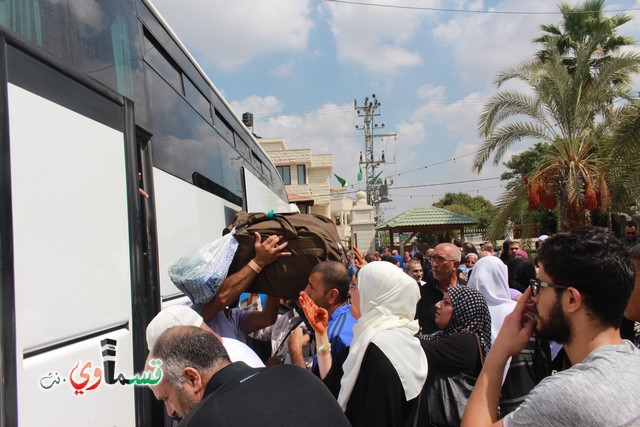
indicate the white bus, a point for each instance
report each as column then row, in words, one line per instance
column 99, row 99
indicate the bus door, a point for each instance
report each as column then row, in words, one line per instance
column 70, row 253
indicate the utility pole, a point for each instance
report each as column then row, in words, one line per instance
column 376, row 189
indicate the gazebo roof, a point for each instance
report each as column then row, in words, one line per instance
column 426, row 219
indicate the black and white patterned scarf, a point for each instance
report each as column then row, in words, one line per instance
column 470, row 314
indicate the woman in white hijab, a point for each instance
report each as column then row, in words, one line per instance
column 491, row 278
column 386, row 367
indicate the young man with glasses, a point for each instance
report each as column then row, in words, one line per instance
column 578, row 299
column 444, row 266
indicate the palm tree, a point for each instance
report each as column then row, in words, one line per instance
column 575, row 82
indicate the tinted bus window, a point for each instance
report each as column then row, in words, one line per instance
column 197, row 99
column 223, row 128
column 102, row 34
column 184, row 143
column 162, row 62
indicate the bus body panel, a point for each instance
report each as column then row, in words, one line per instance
column 71, row 263
column 58, row 405
column 71, row 237
column 86, row 108
column 188, row 218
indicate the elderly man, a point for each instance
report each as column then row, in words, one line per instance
column 201, row 385
column 328, row 287
column 444, row 264
column 579, row 296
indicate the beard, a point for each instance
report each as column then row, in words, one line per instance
column 557, row 327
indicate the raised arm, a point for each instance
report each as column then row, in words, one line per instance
column 318, row 318
column 482, row 408
column 267, row 251
column 257, row 320
column 358, row 258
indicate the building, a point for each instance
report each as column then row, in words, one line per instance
column 306, row 175
column 341, row 206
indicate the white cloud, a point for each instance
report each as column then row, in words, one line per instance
column 229, row 34
column 282, row 70
column 374, row 37
column 259, row 106
column 483, row 44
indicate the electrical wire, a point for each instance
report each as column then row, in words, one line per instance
column 478, row 11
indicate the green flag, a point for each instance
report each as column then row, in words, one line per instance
column 342, row 181
column 375, row 178
column 360, row 175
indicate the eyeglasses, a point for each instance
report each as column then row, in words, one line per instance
column 536, row 284
column 440, row 260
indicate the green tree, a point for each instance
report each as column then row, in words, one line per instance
column 474, row 207
column 574, row 81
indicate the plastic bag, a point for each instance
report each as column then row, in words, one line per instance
column 201, row 274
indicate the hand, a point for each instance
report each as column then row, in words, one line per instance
column 358, row 259
column 318, row 317
column 269, row 250
column 273, row 360
column 516, row 329
column 299, row 338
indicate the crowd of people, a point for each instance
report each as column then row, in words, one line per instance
column 454, row 336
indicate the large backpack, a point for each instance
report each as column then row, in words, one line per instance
column 312, row 238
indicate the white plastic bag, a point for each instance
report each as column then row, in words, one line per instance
column 200, row 274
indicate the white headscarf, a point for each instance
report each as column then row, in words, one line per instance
column 490, row 277
column 388, row 299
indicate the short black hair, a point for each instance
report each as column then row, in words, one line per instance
column 631, row 224
column 188, row 346
column 597, row 264
column 334, row 275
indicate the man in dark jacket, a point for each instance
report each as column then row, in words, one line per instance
column 201, row 385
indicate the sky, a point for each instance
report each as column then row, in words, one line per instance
column 298, row 66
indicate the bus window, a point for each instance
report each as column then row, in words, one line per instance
column 231, row 163
column 162, row 62
column 99, row 38
column 197, row 99
column 107, row 46
column 184, row 143
column 223, row 128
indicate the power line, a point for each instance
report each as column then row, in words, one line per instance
column 475, row 190
column 417, row 186
column 479, row 11
column 453, row 159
